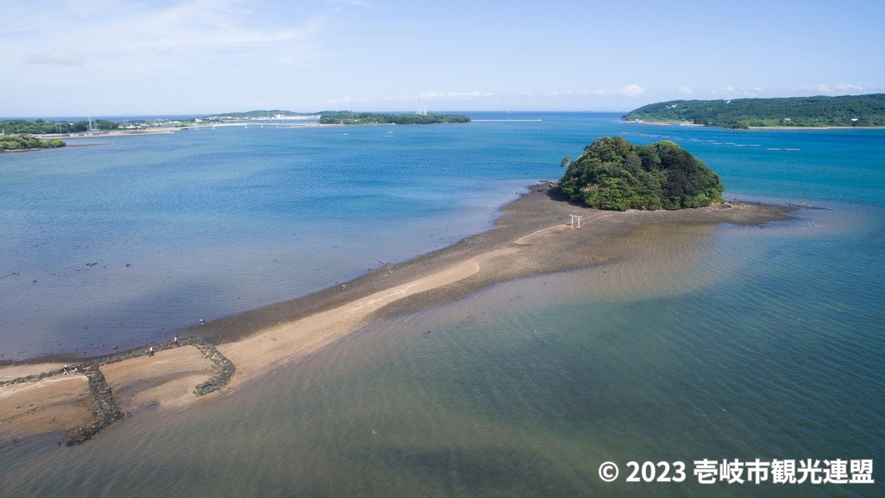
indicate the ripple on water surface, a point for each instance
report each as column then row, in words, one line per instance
column 697, row 342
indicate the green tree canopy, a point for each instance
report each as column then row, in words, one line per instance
column 614, row 174
column 846, row 110
column 25, row 142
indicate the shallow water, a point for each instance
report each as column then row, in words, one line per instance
column 699, row 342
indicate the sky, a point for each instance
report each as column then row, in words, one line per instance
column 150, row 57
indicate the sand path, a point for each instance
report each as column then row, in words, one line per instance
column 258, row 353
column 531, row 237
column 168, row 378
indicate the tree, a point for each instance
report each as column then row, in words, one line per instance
column 614, row 174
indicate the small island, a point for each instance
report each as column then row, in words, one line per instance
column 843, row 111
column 27, row 142
column 358, row 118
column 615, row 174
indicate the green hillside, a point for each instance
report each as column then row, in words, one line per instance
column 849, row 110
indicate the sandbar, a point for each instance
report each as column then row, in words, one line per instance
column 532, row 236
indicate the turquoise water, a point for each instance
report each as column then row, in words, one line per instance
column 705, row 342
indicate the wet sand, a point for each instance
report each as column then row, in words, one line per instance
column 167, row 378
column 54, row 404
column 532, row 236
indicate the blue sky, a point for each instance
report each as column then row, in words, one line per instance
column 103, row 57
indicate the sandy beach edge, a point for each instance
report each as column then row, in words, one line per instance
column 532, row 236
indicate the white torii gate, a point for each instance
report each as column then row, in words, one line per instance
column 576, row 218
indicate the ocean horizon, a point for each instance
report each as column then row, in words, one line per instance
column 703, row 341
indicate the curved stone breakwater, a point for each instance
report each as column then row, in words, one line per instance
column 224, row 368
column 107, row 409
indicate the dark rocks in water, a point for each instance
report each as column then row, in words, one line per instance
column 106, row 407
column 224, row 368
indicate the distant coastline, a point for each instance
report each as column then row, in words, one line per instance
column 362, row 118
column 57, row 129
column 848, row 111
column 774, row 128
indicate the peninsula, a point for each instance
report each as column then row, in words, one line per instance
column 806, row 112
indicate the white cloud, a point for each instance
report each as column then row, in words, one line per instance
column 627, row 91
column 684, row 90
column 847, row 87
column 453, row 95
column 55, row 56
column 413, row 98
column 184, row 36
column 632, row 90
column 348, row 100
column 836, row 88
column 817, row 88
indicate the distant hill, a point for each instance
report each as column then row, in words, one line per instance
column 260, row 114
column 848, row 111
column 356, row 118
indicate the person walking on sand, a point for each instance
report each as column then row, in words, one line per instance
column 65, row 370
column 151, row 351
column 74, row 370
column 175, row 340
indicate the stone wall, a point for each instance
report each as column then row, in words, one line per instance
column 107, row 411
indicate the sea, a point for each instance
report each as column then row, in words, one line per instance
column 743, row 344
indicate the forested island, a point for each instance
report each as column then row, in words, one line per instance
column 845, row 111
column 27, row 142
column 615, row 174
column 357, row 118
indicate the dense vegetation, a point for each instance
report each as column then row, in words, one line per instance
column 850, row 110
column 614, row 174
column 261, row 114
column 41, row 127
column 24, row 142
column 355, row 118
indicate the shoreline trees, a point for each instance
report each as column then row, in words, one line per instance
column 26, row 142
